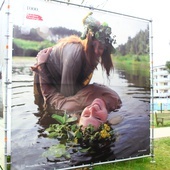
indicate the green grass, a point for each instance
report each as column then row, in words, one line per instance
column 162, row 159
column 132, row 63
column 165, row 124
column 132, row 58
column 34, row 45
column 26, row 44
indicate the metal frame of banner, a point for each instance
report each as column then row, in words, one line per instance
column 149, row 21
column 8, row 82
column 152, row 95
column 101, row 10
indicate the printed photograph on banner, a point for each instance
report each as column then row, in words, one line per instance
column 80, row 88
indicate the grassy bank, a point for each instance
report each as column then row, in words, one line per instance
column 132, row 58
column 139, row 64
column 33, row 45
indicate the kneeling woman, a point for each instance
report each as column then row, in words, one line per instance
column 94, row 101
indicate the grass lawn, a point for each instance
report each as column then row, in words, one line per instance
column 162, row 159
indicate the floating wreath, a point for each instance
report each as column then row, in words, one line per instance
column 70, row 134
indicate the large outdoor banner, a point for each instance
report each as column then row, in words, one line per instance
column 86, row 117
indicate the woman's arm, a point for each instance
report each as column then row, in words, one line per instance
column 48, row 90
column 50, row 94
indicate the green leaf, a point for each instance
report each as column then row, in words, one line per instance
column 58, row 118
column 58, row 151
column 70, row 135
column 65, row 117
column 52, row 135
column 67, row 155
column 105, row 24
column 74, row 127
column 78, row 134
column 50, row 129
column 84, row 150
column 71, row 119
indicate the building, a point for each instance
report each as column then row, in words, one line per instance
column 161, row 88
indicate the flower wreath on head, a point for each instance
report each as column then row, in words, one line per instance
column 101, row 32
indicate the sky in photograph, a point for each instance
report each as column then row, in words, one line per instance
column 156, row 11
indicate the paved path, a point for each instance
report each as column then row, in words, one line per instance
column 162, row 132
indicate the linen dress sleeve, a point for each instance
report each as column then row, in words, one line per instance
column 52, row 97
column 48, row 90
column 72, row 64
column 44, row 78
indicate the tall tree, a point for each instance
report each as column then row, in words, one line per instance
column 168, row 66
column 138, row 45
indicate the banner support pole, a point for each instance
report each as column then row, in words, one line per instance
column 7, row 86
column 152, row 96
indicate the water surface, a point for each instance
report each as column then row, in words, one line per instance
column 28, row 144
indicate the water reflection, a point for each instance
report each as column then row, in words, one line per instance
column 21, row 70
column 137, row 75
column 28, row 139
column 138, row 80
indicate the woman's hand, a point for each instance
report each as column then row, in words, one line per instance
column 43, row 55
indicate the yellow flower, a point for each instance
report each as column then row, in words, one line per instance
column 106, row 127
column 75, row 140
column 104, row 134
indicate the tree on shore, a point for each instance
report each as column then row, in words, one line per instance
column 168, row 66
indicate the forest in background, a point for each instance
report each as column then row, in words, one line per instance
column 29, row 44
